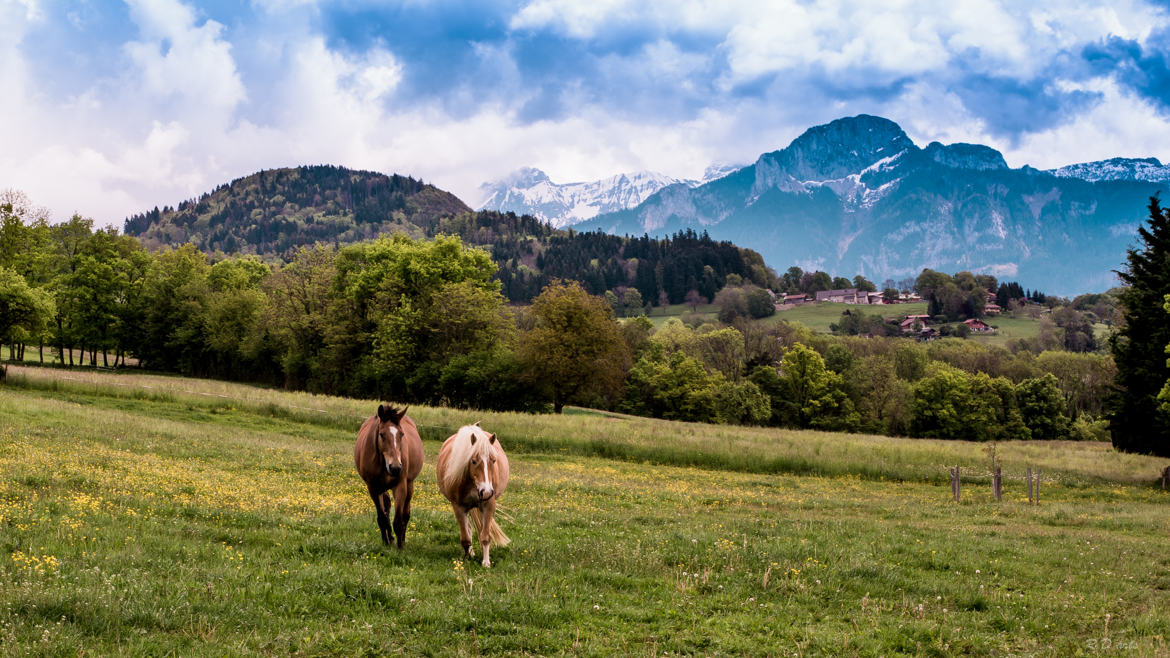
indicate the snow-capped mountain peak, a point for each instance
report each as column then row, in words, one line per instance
column 1142, row 169
column 530, row 191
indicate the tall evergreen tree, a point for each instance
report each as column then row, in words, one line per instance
column 1137, row 422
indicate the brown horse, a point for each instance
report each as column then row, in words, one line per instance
column 473, row 473
column 388, row 455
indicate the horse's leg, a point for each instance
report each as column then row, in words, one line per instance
column 387, row 530
column 383, row 518
column 402, row 495
column 464, row 529
column 487, row 514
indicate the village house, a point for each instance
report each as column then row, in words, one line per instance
column 842, row 296
column 875, row 298
column 992, row 309
column 799, row 298
column 913, row 321
column 978, row 326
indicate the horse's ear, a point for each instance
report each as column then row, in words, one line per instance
column 473, row 438
column 491, row 438
column 476, row 423
column 401, row 414
column 385, row 413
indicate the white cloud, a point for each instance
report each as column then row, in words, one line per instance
column 178, row 58
column 1121, row 125
column 182, row 116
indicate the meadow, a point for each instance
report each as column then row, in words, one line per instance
column 166, row 516
column 818, row 316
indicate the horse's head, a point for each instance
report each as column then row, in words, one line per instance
column 482, row 465
column 388, row 441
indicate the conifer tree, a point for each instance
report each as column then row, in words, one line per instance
column 1136, row 420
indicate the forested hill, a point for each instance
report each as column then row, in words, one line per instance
column 273, row 212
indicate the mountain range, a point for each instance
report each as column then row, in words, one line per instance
column 529, row 191
column 854, row 196
column 857, row 196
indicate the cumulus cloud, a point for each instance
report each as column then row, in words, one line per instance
column 193, row 97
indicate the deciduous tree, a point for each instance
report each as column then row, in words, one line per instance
column 575, row 350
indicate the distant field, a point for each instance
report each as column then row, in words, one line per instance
column 658, row 314
column 1007, row 330
column 818, row 317
column 153, row 516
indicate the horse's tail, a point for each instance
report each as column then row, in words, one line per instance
column 494, row 533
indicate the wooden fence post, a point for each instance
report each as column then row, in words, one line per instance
column 997, row 484
column 1165, row 478
column 956, row 492
column 1037, row 487
column 1029, row 476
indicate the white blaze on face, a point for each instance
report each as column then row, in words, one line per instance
column 487, row 478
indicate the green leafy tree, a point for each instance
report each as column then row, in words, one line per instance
column 759, row 302
column 301, row 315
column 633, row 304
column 489, row 378
column 863, row 284
column 881, row 398
column 417, row 303
column 1136, row 420
column 575, row 350
column 807, row 394
column 732, row 303
column 1042, row 407
column 948, row 404
column 174, row 295
column 721, row 350
column 678, row 387
column 24, row 310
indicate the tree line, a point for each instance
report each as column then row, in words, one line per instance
column 425, row 320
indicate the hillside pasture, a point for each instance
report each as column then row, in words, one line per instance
column 155, row 515
column 660, row 314
column 819, row 315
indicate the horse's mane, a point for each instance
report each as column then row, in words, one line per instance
column 462, row 450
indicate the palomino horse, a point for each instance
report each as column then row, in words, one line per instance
column 388, row 455
column 473, row 472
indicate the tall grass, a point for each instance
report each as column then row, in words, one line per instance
column 161, row 522
column 629, row 438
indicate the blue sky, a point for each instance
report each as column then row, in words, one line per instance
column 114, row 107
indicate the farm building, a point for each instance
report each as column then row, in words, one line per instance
column 844, row 295
column 978, row 326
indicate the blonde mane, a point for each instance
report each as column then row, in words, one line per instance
column 462, row 450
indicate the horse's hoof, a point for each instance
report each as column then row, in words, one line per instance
column 487, row 564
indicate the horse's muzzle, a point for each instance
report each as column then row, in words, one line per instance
column 485, row 495
column 393, row 471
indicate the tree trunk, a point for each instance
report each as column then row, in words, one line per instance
column 60, row 340
column 105, row 359
column 41, row 350
column 70, row 356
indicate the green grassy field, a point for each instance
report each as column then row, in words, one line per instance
column 659, row 315
column 818, row 317
column 1008, row 329
column 165, row 516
